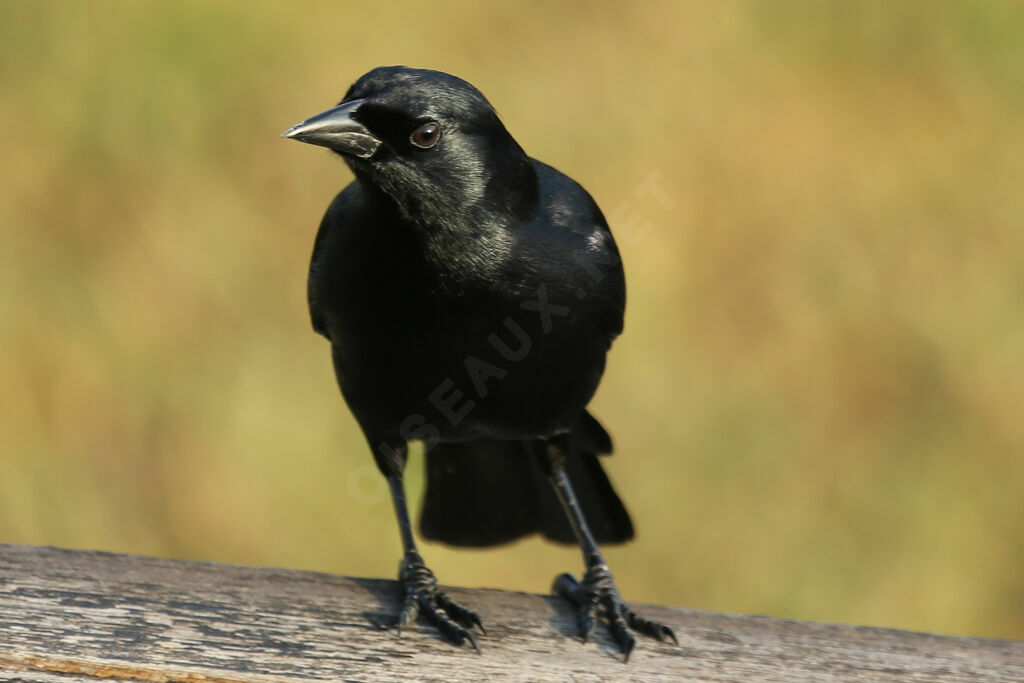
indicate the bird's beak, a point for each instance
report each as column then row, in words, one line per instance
column 337, row 130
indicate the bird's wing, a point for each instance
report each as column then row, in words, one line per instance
column 339, row 214
column 580, row 233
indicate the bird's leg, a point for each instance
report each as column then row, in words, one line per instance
column 596, row 593
column 422, row 596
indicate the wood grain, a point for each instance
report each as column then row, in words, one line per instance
column 87, row 616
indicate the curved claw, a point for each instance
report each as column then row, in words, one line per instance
column 659, row 632
column 466, row 617
column 615, row 609
column 424, row 599
column 628, row 650
column 472, row 641
column 597, row 592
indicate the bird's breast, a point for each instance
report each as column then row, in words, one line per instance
column 514, row 367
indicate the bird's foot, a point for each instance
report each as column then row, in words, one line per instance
column 597, row 593
column 423, row 598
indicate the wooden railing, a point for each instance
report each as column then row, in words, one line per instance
column 84, row 616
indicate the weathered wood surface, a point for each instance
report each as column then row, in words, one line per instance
column 83, row 616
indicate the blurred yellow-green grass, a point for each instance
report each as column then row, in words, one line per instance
column 818, row 403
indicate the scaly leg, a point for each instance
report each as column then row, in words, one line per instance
column 597, row 591
column 422, row 596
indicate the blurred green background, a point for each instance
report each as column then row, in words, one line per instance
column 817, row 403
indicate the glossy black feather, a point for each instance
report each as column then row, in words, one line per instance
column 427, row 274
column 492, row 491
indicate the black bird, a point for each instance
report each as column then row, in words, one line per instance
column 470, row 294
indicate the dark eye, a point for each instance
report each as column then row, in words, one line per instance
column 426, row 135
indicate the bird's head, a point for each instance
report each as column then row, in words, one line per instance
column 429, row 141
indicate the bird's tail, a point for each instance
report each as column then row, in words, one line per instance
column 490, row 491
